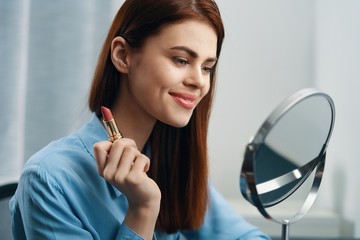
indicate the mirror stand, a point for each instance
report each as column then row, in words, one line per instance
column 285, row 230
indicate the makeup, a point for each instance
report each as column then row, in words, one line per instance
column 110, row 124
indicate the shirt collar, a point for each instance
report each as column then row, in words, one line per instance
column 92, row 132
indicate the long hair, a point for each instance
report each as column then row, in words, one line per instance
column 179, row 160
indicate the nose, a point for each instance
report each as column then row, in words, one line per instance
column 196, row 77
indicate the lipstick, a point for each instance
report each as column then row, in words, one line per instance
column 110, row 124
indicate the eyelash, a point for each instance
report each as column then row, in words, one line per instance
column 183, row 62
column 208, row 69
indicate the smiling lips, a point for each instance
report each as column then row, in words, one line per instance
column 185, row 100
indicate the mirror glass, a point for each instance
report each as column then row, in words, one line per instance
column 288, row 150
column 295, row 141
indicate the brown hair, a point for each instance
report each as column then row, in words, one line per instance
column 179, row 161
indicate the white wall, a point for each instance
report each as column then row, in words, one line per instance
column 272, row 49
column 267, row 55
column 337, row 64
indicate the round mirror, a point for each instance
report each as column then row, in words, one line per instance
column 289, row 146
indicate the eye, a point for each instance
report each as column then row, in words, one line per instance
column 181, row 61
column 207, row 69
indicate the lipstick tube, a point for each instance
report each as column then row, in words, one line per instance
column 110, row 124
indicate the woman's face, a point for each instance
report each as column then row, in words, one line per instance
column 170, row 74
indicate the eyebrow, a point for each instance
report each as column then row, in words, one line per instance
column 192, row 53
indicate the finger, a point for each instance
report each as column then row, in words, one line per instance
column 101, row 152
column 114, row 157
column 127, row 161
column 120, row 158
column 141, row 163
column 136, row 176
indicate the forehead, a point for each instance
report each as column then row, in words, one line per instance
column 194, row 34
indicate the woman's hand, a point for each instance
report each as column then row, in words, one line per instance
column 125, row 167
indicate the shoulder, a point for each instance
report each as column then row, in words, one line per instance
column 60, row 162
column 59, row 153
column 229, row 224
column 217, row 201
column 67, row 164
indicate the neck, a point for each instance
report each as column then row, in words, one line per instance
column 133, row 126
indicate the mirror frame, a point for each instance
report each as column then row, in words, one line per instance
column 248, row 183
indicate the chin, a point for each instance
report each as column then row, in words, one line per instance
column 177, row 120
column 177, row 123
column 180, row 125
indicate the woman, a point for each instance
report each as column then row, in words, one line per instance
column 156, row 72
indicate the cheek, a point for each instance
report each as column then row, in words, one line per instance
column 206, row 89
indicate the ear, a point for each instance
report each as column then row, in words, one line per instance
column 120, row 54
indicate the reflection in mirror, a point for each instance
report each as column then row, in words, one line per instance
column 288, row 148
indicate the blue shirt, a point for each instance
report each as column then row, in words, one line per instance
column 61, row 196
